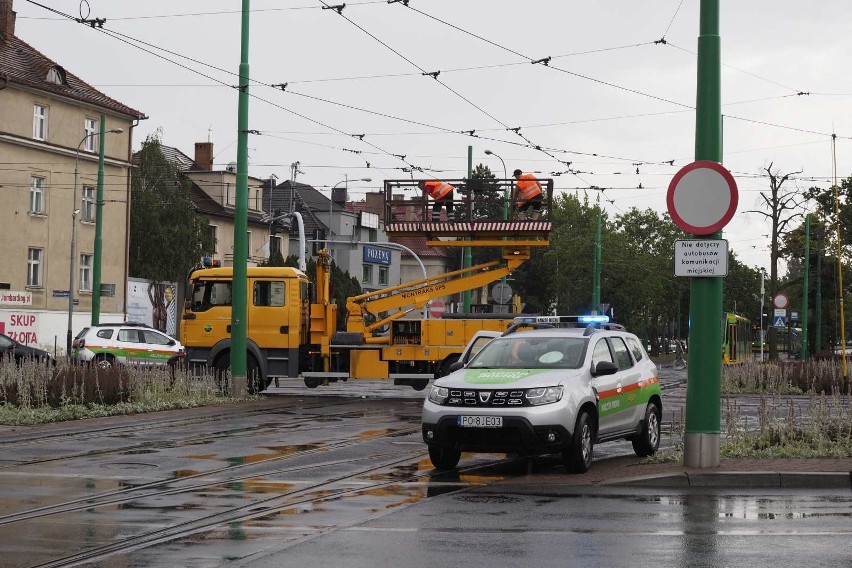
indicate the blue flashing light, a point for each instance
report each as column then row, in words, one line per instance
column 594, row 319
column 209, row 262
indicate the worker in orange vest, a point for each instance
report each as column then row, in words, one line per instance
column 442, row 193
column 527, row 194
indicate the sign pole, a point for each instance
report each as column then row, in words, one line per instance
column 701, row 446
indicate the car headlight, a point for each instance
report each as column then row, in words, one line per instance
column 544, row 395
column 438, row 395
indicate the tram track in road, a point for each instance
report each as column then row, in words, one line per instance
column 304, row 418
column 312, row 494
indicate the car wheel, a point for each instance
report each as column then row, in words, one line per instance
column 648, row 441
column 419, row 385
column 311, row 382
column 105, row 361
column 578, row 456
column 444, row 458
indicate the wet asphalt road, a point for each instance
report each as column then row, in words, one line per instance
column 338, row 476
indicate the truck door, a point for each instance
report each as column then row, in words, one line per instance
column 269, row 313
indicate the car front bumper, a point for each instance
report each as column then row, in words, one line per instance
column 517, row 435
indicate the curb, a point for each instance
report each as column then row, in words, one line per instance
column 751, row 479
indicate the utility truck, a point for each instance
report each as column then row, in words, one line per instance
column 292, row 324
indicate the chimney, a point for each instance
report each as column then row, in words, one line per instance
column 203, row 152
column 7, row 21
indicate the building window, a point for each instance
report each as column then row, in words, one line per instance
column 372, row 235
column 90, row 127
column 275, row 245
column 40, row 113
column 258, row 199
column 383, row 275
column 86, row 272
column 88, row 209
column 248, row 244
column 213, row 231
column 37, row 195
column 34, row 267
column 367, row 274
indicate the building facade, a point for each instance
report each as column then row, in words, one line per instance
column 49, row 148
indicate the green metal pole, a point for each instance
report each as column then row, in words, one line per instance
column 805, row 286
column 596, row 277
column 468, row 259
column 99, row 220
column 818, row 306
column 703, row 392
column 238, row 308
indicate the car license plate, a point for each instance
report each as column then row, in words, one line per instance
column 481, row 421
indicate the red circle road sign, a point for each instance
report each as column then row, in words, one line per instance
column 780, row 301
column 702, row 197
column 436, row 308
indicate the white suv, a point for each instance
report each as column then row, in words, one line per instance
column 550, row 390
column 127, row 343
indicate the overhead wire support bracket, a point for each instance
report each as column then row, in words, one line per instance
column 94, row 22
column 358, row 136
column 282, row 86
column 433, row 74
column 338, row 8
column 404, row 2
column 662, row 41
column 544, row 61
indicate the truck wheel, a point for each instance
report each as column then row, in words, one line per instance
column 578, row 456
column 311, row 382
column 221, row 369
column 254, row 380
column 444, row 458
column 648, row 441
column 419, row 385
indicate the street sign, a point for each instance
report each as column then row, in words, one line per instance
column 780, row 301
column 501, row 292
column 702, row 197
column 436, row 309
column 780, row 321
column 701, row 257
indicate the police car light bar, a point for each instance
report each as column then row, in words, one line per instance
column 562, row 319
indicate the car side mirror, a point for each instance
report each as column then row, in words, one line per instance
column 171, row 342
column 456, row 366
column 605, row 368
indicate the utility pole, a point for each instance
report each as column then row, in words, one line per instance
column 239, row 286
column 99, row 223
column 467, row 261
column 805, row 286
column 703, row 408
column 596, row 276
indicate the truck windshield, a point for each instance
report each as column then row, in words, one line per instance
column 536, row 352
column 210, row 293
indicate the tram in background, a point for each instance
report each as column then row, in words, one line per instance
column 737, row 339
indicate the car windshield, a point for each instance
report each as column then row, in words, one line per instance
column 531, row 352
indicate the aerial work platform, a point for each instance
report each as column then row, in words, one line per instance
column 483, row 213
column 478, row 233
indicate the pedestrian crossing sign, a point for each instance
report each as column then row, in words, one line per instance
column 780, row 321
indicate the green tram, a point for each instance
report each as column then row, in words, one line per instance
column 736, row 342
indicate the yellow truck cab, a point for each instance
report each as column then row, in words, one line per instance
column 277, row 315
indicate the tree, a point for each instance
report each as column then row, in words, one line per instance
column 783, row 207
column 167, row 235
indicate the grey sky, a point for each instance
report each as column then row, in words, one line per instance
column 609, row 89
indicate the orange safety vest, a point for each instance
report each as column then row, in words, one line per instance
column 438, row 189
column 528, row 187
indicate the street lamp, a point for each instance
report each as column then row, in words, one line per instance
column 505, row 189
column 74, row 212
column 331, row 203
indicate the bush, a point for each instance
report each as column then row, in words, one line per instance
column 32, row 392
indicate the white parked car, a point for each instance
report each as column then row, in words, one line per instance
column 127, row 343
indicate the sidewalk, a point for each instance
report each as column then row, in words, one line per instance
column 741, row 472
